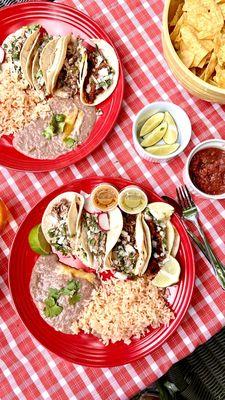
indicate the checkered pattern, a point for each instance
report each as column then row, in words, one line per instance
column 28, row 370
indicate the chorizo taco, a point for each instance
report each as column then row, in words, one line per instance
column 97, row 234
column 19, row 48
column 131, row 253
column 100, row 73
column 60, row 221
column 164, row 236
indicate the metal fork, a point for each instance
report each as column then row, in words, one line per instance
column 190, row 213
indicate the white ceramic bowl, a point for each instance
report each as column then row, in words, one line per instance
column 180, row 117
column 218, row 143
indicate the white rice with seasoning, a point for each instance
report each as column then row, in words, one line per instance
column 120, row 310
column 19, row 105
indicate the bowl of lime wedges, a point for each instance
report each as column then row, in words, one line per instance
column 161, row 131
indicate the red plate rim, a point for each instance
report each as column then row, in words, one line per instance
column 90, row 351
column 78, row 20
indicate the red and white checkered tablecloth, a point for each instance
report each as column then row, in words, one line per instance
column 28, row 371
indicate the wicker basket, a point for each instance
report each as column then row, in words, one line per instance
column 188, row 80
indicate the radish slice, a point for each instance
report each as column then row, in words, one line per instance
column 2, row 55
column 103, row 221
column 84, row 194
column 89, row 207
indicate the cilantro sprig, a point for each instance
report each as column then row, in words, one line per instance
column 52, row 308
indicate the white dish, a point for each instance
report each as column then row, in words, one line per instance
column 218, row 143
column 183, row 125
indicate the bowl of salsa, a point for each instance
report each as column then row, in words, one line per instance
column 204, row 171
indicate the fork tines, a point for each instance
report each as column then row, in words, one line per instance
column 184, row 197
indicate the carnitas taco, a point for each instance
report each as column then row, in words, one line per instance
column 19, row 48
column 60, row 221
column 97, row 234
column 100, row 73
column 69, row 77
column 131, row 253
column 164, row 236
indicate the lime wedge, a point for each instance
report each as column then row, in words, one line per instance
column 168, row 275
column 37, row 241
column 171, row 134
column 155, row 136
column 151, row 123
column 163, row 150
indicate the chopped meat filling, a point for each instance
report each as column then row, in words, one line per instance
column 69, row 75
column 99, row 76
column 125, row 253
column 59, row 233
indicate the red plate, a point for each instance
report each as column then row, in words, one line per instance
column 59, row 19
column 86, row 349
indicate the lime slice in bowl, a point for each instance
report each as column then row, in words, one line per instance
column 163, row 149
column 37, row 241
column 151, row 123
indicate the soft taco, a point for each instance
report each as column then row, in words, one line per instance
column 164, row 236
column 97, row 234
column 40, row 64
column 60, row 221
column 131, row 253
column 100, row 73
column 19, row 48
column 69, row 77
column 52, row 59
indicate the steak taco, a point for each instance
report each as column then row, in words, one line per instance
column 100, row 73
column 132, row 251
column 97, row 235
column 165, row 238
column 60, row 221
column 19, row 48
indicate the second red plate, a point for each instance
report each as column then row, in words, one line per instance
column 87, row 349
column 58, row 19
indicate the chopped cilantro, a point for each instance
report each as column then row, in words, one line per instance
column 52, row 308
column 55, row 126
column 69, row 142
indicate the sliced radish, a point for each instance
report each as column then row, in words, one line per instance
column 2, row 55
column 89, row 206
column 103, row 221
column 84, row 194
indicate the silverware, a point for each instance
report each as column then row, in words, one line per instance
column 190, row 213
column 198, row 242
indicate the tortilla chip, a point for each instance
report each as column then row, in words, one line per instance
column 193, row 44
column 222, row 8
column 187, row 57
column 205, row 16
column 210, row 67
column 219, row 49
column 177, row 15
column 219, row 78
column 203, row 62
column 176, row 31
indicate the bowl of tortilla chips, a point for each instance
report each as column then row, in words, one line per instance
column 194, row 46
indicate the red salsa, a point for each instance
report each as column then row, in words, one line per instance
column 207, row 170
